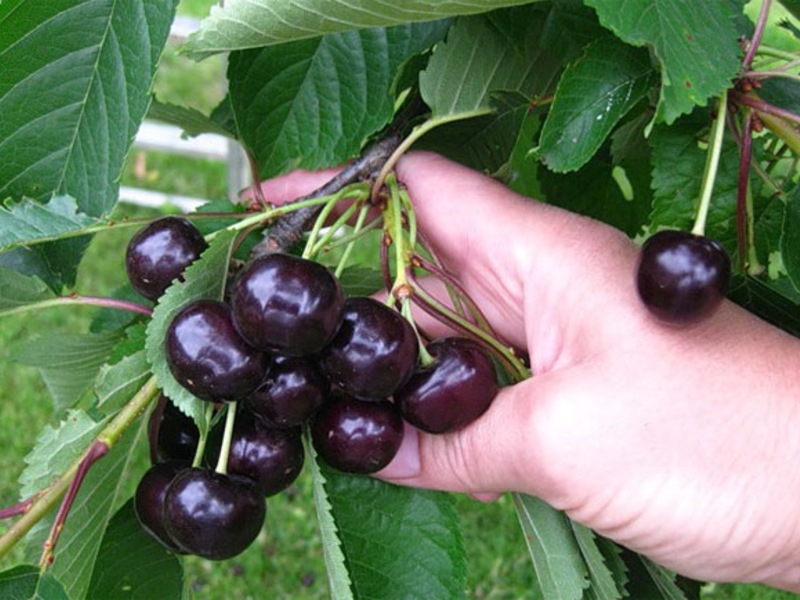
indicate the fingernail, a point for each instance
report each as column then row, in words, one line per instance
column 406, row 462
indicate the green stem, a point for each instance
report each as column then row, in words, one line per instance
column 357, row 229
column 416, row 133
column 783, row 129
column 425, row 357
column 764, row 50
column 225, row 450
column 520, row 370
column 754, row 267
column 75, row 299
column 201, row 443
column 44, row 502
column 334, row 228
column 769, row 74
column 318, row 224
column 712, row 166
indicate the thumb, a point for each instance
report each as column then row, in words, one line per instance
column 496, row 453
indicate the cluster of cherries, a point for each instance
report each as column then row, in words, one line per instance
column 291, row 350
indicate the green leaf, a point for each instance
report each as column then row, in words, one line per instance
column 664, row 580
column 191, row 120
column 68, row 363
column 26, row 582
column 603, row 584
column 477, row 60
column 56, row 449
column 397, row 542
column 203, row 279
column 133, row 566
column 560, row 569
column 790, row 238
column 74, row 89
column 781, row 92
column 593, row 95
column 112, row 319
column 116, row 384
column 314, row 103
column 243, row 24
column 17, row 290
column 793, row 6
column 678, row 166
column 361, row 281
column 695, row 42
column 28, row 221
column 98, row 499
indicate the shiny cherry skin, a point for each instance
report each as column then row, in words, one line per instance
column 213, row 515
column 291, row 394
column 287, row 304
column 148, row 501
column 682, row 277
column 356, row 436
column 159, row 253
column 374, row 352
column 270, row 456
column 207, row 355
column 452, row 392
column 176, row 435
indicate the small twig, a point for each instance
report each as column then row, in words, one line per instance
column 16, row 509
column 745, row 158
column 83, row 301
column 97, row 451
column 764, row 107
column 757, row 34
column 254, row 174
column 288, row 230
column 712, row 165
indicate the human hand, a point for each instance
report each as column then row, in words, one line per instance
column 678, row 443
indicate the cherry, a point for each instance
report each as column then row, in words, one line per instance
column 177, row 435
column 148, row 501
column 452, row 392
column 271, row 457
column 682, row 277
column 208, row 357
column 213, row 515
column 356, row 436
column 374, row 352
column 287, row 304
column 291, row 394
column 160, row 252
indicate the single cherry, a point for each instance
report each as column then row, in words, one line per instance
column 291, row 394
column 213, row 515
column 271, row 457
column 160, row 252
column 374, row 352
column 148, row 501
column 208, row 356
column 682, row 277
column 287, row 304
column 453, row 391
column 176, row 435
column 356, row 436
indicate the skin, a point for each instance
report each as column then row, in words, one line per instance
column 680, row 444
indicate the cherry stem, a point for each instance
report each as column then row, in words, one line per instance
column 386, row 241
column 425, row 357
column 757, row 34
column 764, row 107
column 16, row 509
column 256, row 177
column 449, row 317
column 154, row 426
column 325, row 239
column 96, row 451
column 203, row 440
column 357, row 229
column 712, row 166
column 73, row 299
column 782, row 129
column 45, row 500
column 765, row 50
column 225, row 449
column 745, row 158
column 318, row 224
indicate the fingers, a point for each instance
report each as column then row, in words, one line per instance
column 494, row 454
column 285, row 188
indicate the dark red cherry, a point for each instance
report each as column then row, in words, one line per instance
column 271, row 457
column 176, row 435
column 208, row 356
column 159, row 253
column 453, row 391
column 374, row 352
column 291, row 394
column 287, row 304
column 681, row 277
column 148, row 501
column 213, row 515
column 356, row 436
